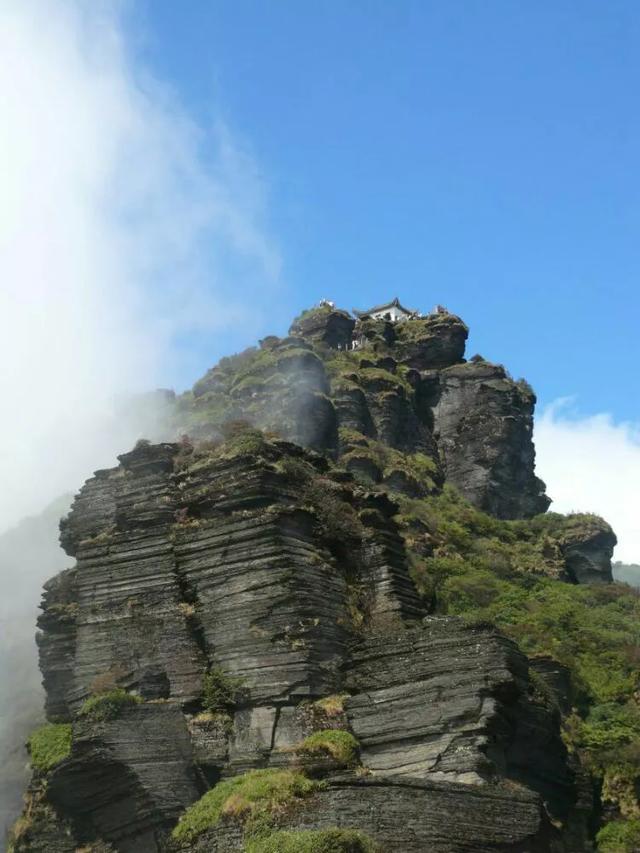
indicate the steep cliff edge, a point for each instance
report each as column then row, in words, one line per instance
column 405, row 386
column 280, row 633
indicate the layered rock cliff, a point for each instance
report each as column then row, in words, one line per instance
column 255, row 649
column 406, row 386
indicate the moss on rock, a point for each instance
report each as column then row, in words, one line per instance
column 336, row 743
column 49, row 745
column 619, row 836
column 108, row 705
column 253, row 798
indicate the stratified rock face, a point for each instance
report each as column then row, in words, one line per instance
column 185, row 530
column 483, row 424
column 415, row 817
column 253, row 557
column 406, row 386
column 268, row 568
column 57, row 642
column 402, row 693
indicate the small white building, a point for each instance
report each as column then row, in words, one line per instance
column 392, row 311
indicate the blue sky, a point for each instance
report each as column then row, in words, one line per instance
column 483, row 155
column 212, row 167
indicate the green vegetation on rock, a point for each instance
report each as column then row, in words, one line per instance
column 507, row 573
column 49, row 745
column 337, row 743
column 270, row 387
column 422, row 327
column 332, row 705
column 465, row 563
column 108, row 705
column 619, row 836
column 254, row 798
column 220, row 691
column 313, row 841
column 249, row 442
column 417, row 466
column 336, row 517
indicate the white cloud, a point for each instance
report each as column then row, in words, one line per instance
column 122, row 226
column 592, row 464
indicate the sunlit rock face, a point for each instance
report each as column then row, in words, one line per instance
column 483, row 424
column 405, row 385
column 328, row 326
column 252, row 556
column 248, row 586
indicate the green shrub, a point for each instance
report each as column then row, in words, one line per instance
column 295, row 470
column 341, row 363
column 610, row 725
column 418, row 466
column 220, row 691
column 507, row 573
column 379, row 375
column 337, row 518
column 108, row 705
column 252, row 798
column 619, row 836
column 313, row 841
column 349, row 436
column 49, row 745
column 339, row 744
column 250, row 442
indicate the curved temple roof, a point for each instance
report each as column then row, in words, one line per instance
column 395, row 303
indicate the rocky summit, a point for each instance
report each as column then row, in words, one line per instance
column 331, row 613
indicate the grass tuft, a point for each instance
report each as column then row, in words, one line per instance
column 254, row 798
column 333, row 705
column 108, row 705
column 339, row 744
column 49, row 745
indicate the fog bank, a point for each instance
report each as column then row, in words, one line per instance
column 29, row 554
column 124, row 227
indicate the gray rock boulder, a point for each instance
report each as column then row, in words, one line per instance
column 483, row 425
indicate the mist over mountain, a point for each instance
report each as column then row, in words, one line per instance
column 29, row 554
column 627, row 573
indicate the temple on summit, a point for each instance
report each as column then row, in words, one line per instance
column 392, row 311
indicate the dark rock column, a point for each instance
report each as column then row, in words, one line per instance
column 483, row 424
